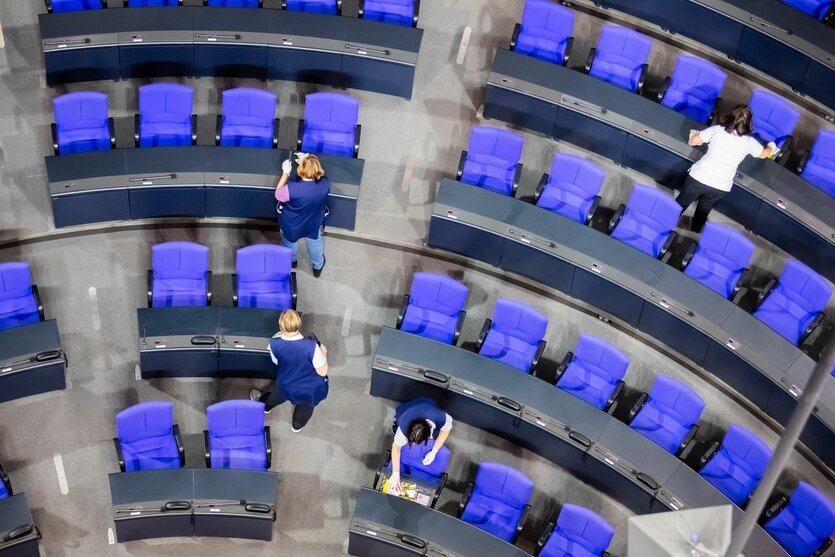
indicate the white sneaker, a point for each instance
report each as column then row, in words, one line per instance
column 294, row 430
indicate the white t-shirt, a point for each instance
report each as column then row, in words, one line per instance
column 726, row 151
column 400, row 438
column 318, row 356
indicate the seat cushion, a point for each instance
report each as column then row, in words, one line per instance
column 714, row 272
column 492, row 515
column 541, row 44
column 18, row 311
column 173, row 292
column 246, row 452
column 151, row 453
column 399, row 13
column 315, row 6
column 247, row 135
column 331, row 142
column 732, row 478
column 489, row 172
column 429, row 324
column 785, row 315
column 638, row 231
column 618, row 71
column 508, row 350
column 587, row 385
column 793, row 534
column 660, row 427
column 560, row 546
column 814, row 8
column 821, row 173
column 566, row 199
column 269, row 294
column 690, row 105
column 164, row 134
column 83, row 140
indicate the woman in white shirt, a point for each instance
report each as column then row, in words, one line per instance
column 712, row 177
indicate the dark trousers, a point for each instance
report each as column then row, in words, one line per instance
column 693, row 190
column 301, row 412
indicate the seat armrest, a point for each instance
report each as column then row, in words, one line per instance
column 566, row 361
column 383, row 463
column 120, row 457
column 691, row 435
column 713, row 111
column 783, row 157
column 300, row 131
column 338, row 6
column 268, row 442
column 774, row 509
column 593, row 209
column 537, row 355
column 688, row 257
column 822, row 548
column 294, row 289
column 37, row 295
column 811, row 328
column 276, row 127
column 360, row 13
column 441, row 486
column 150, row 288
column 740, row 282
column 4, row 477
column 234, row 289
column 710, row 453
column 642, row 400
column 540, row 187
column 569, row 44
column 590, row 59
column 48, row 6
column 543, row 539
column 416, row 14
column 218, row 128
column 207, row 451
column 461, row 160
column 208, row 288
column 803, row 161
column 516, row 177
column 522, row 520
column 465, row 498
column 283, row 4
column 357, row 136
column 614, row 396
column 483, row 334
column 401, row 313
column 458, row 327
column 764, row 293
column 178, row 440
column 613, row 222
column 194, row 129
column 642, row 78
column 111, row 130
column 54, row 129
column 513, row 38
column 829, row 16
column 664, row 86
column 136, row 125
column 667, row 243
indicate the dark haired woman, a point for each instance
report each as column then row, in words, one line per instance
column 417, row 422
column 712, row 177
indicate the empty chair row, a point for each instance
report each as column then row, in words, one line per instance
column 399, row 12
column 148, row 439
column 166, row 118
column 262, row 278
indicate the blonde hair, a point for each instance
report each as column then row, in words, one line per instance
column 289, row 322
column 310, row 168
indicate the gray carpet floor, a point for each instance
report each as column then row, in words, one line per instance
column 408, row 146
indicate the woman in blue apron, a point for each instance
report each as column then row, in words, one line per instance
column 302, row 207
column 302, row 371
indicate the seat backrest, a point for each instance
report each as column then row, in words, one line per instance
column 584, row 527
column 726, row 242
column 617, row 43
column 438, row 293
column 676, row 400
column 495, row 142
column 814, row 509
column 234, row 3
column 82, row 110
column 745, row 449
column 15, row 280
column 412, row 455
column 263, row 262
column 602, row 355
column 235, row 418
column 804, row 286
column 657, row 206
column 59, row 6
column 247, row 102
column 503, row 483
column 147, row 419
column 166, row 102
column 180, row 260
column 698, row 77
column 580, row 172
column 774, row 117
column 519, row 320
column 824, row 147
column 331, row 111
column 550, row 17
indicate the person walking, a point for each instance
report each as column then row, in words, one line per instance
column 302, row 376
column 712, row 177
column 302, row 207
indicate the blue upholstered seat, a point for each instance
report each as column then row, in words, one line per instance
column 315, row 6
column 146, row 435
column 18, row 304
column 237, row 437
column 234, row 3
column 152, row 3
column 804, row 523
column 721, row 258
column 694, row 88
column 819, row 9
column 819, row 167
column 621, row 57
column 398, row 12
column 571, row 188
column 5, row 484
column 774, row 118
column 579, row 532
column 738, row 464
column 434, row 306
column 648, row 220
column 545, row 32
column 330, row 124
column 263, row 277
column 491, row 160
column 81, row 122
column 179, row 274
column 595, row 371
column 248, row 118
column 669, row 415
column 498, row 500
column 165, row 115
column 514, row 336
column 58, row 6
